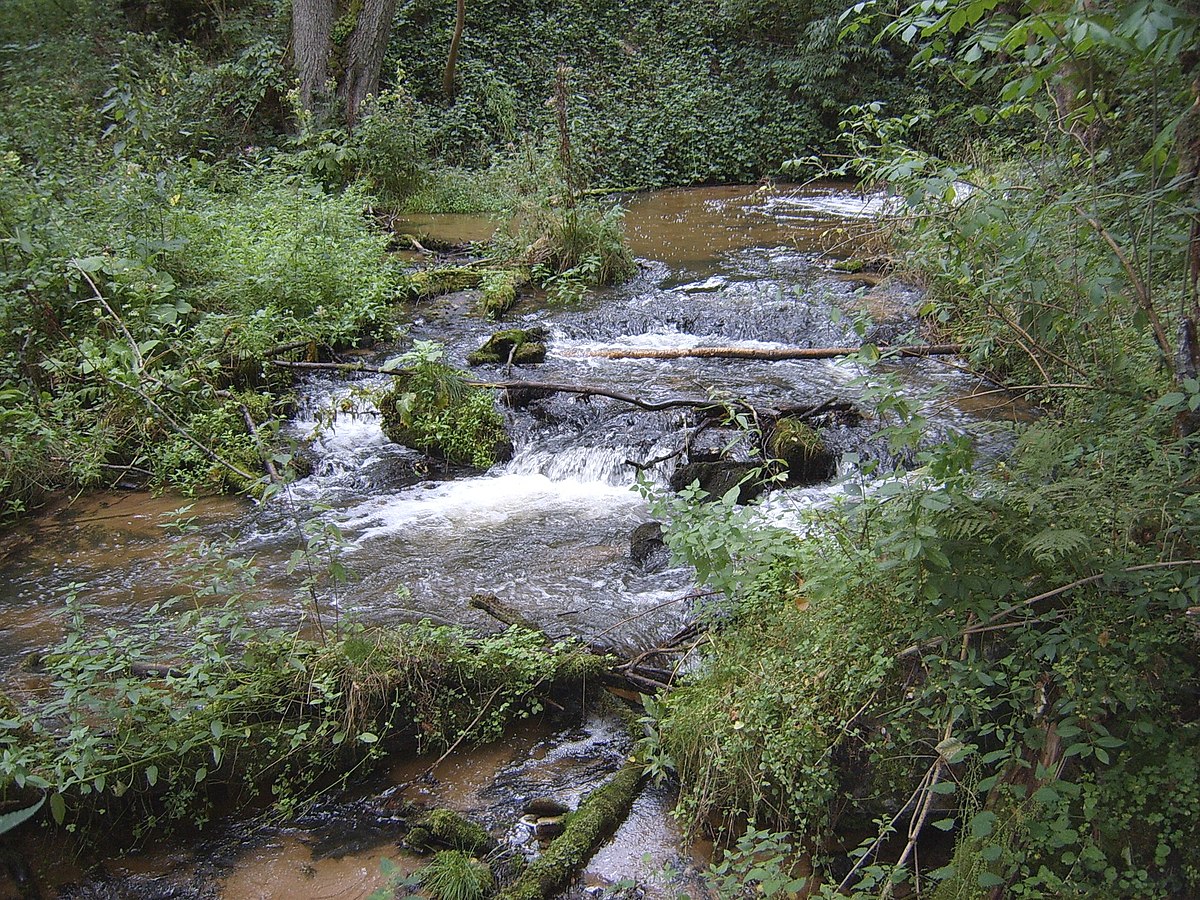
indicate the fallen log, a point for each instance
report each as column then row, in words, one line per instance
column 637, row 674
column 598, row 816
column 768, row 353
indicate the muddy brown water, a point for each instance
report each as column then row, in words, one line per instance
column 548, row 532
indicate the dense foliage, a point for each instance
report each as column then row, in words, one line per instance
column 663, row 93
column 1004, row 655
column 986, row 668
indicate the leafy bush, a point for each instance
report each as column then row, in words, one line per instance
column 433, row 410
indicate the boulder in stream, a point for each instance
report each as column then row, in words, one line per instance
column 437, row 415
column 803, row 452
column 522, row 346
column 717, row 477
column 648, row 549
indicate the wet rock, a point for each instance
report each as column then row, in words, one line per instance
column 721, row 444
column 545, row 806
column 647, row 548
column 545, row 828
column 523, row 346
column 717, row 477
column 446, row 828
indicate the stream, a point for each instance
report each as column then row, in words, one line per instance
column 548, row 532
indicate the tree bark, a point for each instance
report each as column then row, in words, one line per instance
column 312, row 42
column 460, row 19
column 365, row 50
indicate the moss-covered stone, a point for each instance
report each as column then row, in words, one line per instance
column 449, row 829
column 523, row 346
column 802, row 450
column 461, row 426
column 597, row 817
column 500, row 291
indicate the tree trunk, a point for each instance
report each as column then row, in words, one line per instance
column 355, row 64
column 312, row 42
column 365, row 49
column 460, row 18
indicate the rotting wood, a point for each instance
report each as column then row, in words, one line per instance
column 769, row 353
column 503, row 612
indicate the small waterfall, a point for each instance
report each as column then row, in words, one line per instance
column 618, row 466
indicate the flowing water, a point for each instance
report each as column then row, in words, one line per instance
column 548, row 531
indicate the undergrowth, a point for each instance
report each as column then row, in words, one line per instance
column 229, row 709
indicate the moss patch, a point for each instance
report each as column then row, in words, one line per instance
column 523, row 347
column 598, row 816
column 500, row 291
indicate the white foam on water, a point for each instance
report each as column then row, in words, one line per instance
column 484, row 504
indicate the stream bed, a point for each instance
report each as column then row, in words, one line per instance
column 547, row 532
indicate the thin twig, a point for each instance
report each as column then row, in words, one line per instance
column 1140, row 289
column 400, row 788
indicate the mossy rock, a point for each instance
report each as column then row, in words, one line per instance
column 523, row 346
column 449, row 829
column 466, row 430
column 429, row 283
column 500, row 291
column 802, row 450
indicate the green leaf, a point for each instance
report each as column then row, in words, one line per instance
column 58, row 808
column 368, row 737
column 11, row 820
column 1046, row 796
column 151, row 775
column 88, row 264
column 988, row 880
column 982, row 824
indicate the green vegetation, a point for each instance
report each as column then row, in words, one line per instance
column 598, row 815
column 431, row 408
column 240, row 711
column 453, row 875
column 662, row 93
column 1001, row 651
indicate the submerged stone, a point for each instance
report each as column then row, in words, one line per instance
column 647, row 548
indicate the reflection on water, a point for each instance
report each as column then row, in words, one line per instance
column 693, row 228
